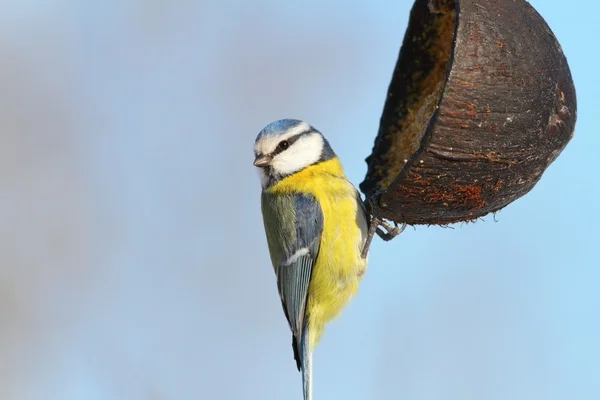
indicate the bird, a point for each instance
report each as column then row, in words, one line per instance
column 316, row 226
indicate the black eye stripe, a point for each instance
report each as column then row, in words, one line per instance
column 290, row 141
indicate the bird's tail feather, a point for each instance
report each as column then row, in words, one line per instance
column 306, row 357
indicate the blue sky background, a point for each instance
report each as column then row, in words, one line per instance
column 133, row 263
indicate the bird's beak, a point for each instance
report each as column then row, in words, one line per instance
column 262, row 161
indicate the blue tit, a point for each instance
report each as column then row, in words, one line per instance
column 316, row 227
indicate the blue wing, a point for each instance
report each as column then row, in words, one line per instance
column 293, row 275
column 296, row 241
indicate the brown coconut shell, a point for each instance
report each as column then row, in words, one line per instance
column 480, row 103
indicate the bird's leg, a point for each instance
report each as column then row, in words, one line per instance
column 373, row 227
column 376, row 221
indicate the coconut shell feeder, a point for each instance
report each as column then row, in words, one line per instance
column 481, row 102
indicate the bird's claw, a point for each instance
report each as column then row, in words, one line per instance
column 376, row 221
column 390, row 232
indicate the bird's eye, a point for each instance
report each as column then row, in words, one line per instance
column 283, row 145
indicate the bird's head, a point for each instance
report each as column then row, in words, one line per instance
column 287, row 146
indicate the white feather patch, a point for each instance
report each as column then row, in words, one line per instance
column 296, row 256
column 303, row 152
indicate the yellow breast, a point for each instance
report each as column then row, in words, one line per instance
column 339, row 267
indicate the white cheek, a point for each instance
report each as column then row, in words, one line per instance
column 304, row 152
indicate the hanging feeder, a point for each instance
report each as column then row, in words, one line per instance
column 480, row 103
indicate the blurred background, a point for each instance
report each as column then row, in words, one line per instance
column 133, row 263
